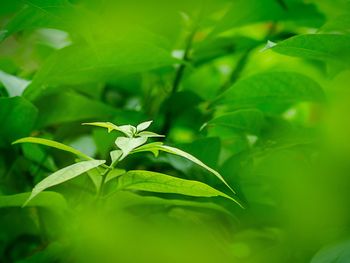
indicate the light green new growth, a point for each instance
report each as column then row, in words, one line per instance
column 133, row 141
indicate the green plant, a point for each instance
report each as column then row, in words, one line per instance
column 254, row 93
column 133, row 141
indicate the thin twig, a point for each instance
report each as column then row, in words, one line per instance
column 104, row 177
column 186, row 58
column 177, row 80
column 241, row 64
column 236, row 73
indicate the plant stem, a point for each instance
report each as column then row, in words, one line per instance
column 176, row 83
column 240, row 66
column 186, row 57
column 236, row 73
column 104, row 177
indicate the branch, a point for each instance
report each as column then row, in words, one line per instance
column 177, row 80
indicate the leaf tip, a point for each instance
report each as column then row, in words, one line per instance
column 268, row 45
column 19, row 140
column 143, row 126
column 15, row 142
column 27, row 201
column 203, row 126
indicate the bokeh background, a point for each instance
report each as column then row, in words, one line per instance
column 256, row 89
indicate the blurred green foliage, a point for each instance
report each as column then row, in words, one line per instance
column 256, row 89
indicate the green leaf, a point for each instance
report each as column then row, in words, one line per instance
column 129, row 199
column 40, row 13
column 108, row 125
column 97, row 63
column 66, row 107
column 53, row 144
column 114, row 174
column 325, row 47
column 269, row 44
column 127, row 144
column 14, row 85
column 143, row 126
column 243, row 12
column 149, row 147
column 128, row 130
column 64, row 175
column 50, row 200
column 149, row 134
column 247, row 120
column 190, row 157
column 38, row 156
column 162, row 183
column 115, row 155
column 271, row 88
column 17, row 118
column 95, row 176
column 155, row 147
column 205, row 149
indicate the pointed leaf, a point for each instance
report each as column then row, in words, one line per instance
column 53, row 144
column 190, row 157
column 143, row 126
column 128, row 130
column 162, row 183
column 95, row 176
column 326, row 47
column 115, row 155
column 114, row 174
column 64, row 175
column 158, row 146
column 268, row 45
column 110, row 126
column 149, row 147
column 128, row 144
column 149, row 134
column 272, row 88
